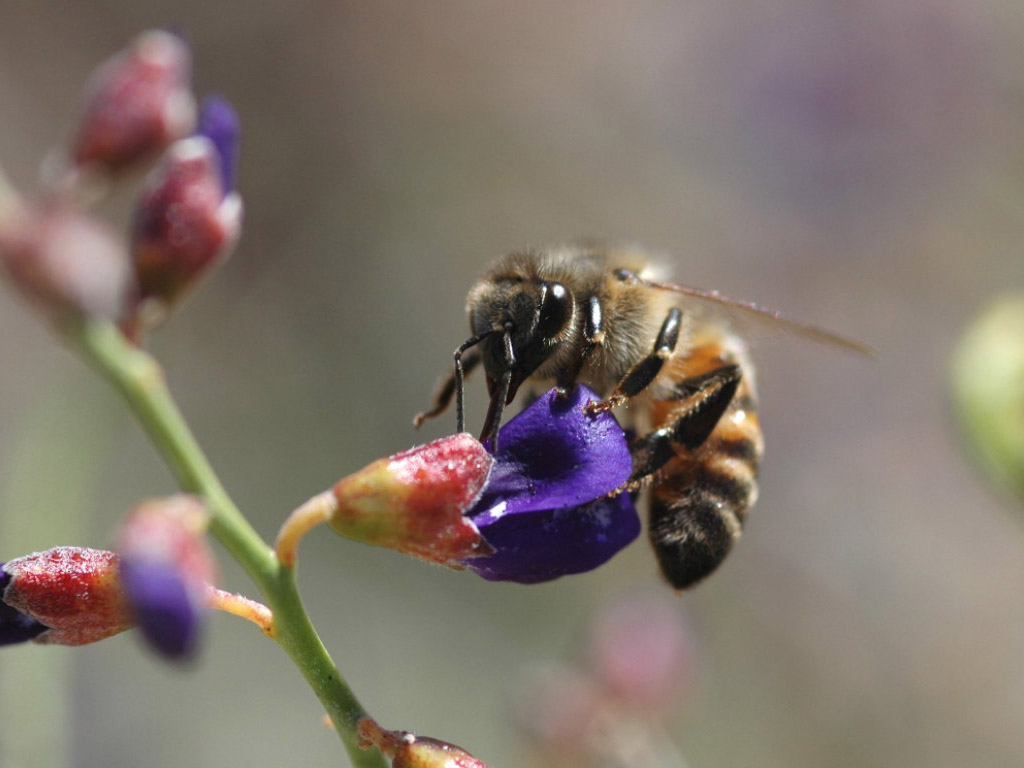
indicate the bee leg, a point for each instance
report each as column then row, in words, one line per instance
column 640, row 376
column 593, row 337
column 705, row 399
column 445, row 392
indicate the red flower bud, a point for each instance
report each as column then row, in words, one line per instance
column 65, row 260
column 75, row 593
column 136, row 103
column 185, row 220
column 414, row 501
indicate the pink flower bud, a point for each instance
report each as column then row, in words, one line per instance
column 166, row 569
column 414, row 501
column 72, row 592
column 136, row 103
column 65, row 260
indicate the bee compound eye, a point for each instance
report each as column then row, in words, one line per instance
column 555, row 307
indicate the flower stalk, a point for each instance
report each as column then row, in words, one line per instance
column 139, row 379
column 302, row 520
column 242, row 607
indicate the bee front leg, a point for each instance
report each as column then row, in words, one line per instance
column 446, row 390
column 704, row 399
column 640, row 376
column 593, row 337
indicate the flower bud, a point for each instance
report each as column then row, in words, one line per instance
column 430, row 753
column 414, row 501
column 66, row 596
column 166, row 567
column 66, row 261
column 136, row 103
column 188, row 218
column 408, row 750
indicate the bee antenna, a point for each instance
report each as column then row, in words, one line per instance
column 460, row 377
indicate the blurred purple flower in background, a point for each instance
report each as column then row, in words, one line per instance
column 166, row 569
column 847, row 112
column 163, row 606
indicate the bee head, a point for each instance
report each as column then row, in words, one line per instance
column 524, row 321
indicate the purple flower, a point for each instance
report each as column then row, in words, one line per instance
column 166, row 570
column 544, row 508
column 163, row 606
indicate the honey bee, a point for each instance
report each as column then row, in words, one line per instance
column 564, row 314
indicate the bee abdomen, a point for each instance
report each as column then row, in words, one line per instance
column 701, row 498
column 691, row 536
column 697, row 513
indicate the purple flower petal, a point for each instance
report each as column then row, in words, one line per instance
column 542, row 509
column 219, row 122
column 15, row 626
column 554, row 454
column 163, row 606
column 544, row 544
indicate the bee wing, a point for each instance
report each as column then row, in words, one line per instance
column 744, row 315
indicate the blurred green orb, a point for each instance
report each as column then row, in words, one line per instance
column 988, row 389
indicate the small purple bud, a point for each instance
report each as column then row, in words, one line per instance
column 219, row 122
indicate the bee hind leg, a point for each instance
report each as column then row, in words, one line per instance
column 703, row 399
column 696, row 509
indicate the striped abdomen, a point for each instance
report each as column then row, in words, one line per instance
column 700, row 498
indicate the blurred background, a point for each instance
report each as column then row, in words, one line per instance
column 856, row 165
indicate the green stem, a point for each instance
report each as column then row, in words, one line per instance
column 140, row 380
